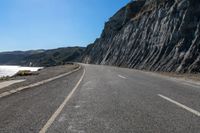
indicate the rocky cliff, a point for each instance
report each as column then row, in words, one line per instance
column 157, row 35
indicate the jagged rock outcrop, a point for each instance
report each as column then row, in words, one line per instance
column 157, row 35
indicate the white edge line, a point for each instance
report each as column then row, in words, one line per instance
column 122, row 76
column 180, row 105
column 7, row 93
column 58, row 111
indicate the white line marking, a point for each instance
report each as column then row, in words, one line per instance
column 36, row 84
column 122, row 76
column 180, row 105
column 58, row 111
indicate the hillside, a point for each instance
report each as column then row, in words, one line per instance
column 157, row 35
column 42, row 57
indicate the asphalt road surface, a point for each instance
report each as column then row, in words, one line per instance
column 102, row 99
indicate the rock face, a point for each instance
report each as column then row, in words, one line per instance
column 157, row 35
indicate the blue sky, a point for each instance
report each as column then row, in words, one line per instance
column 46, row 24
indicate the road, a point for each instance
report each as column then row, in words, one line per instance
column 103, row 99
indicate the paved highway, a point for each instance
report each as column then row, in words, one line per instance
column 102, row 99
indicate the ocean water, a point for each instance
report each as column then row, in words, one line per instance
column 12, row 70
